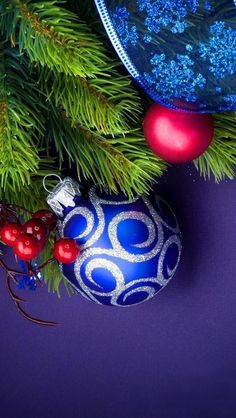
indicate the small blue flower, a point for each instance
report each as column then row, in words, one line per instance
column 127, row 33
column 167, row 14
column 175, row 78
column 220, row 50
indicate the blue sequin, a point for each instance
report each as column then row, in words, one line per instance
column 182, row 52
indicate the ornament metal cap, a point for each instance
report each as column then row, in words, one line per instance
column 62, row 195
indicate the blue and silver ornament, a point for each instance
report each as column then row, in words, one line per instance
column 129, row 249
column 182, row 52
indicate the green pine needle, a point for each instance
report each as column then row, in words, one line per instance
column 219, row 160
column 33, row 196
column 125, row 162
column 107, row 104
column 20, row 121
column 53, row 36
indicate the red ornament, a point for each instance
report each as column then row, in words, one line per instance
column 46, row 216
column 177, row 137
column 10, row 232
column 37, row 228
column 66, row 250
column 26, row 247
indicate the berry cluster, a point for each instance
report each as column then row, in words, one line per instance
column 29, row 239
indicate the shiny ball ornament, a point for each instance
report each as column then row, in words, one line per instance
column 10, row 233
column 181, row 52
column 26, row 247
column 176, row 136
column 129, row 250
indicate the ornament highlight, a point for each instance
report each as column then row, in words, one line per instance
column 176, row 136
column 187, row 49
column 129, row 250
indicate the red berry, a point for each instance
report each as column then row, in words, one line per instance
column 66, row 250
column 37, row 228
column 41, row 244
column 26, row 247
column 46, row 216
column 10, row 232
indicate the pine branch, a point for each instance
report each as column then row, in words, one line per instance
column 53, row 36
column 219, row 160
column 20, row 121
column 32, row 196
column 8, row 15
column 123, row 162
column 108, row 105
column 106, row 102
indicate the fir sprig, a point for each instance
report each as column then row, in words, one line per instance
column 219, row 160
column 20, row 121
column 124, row 162
column 107, row 104
column 31, row 196
column 53, row 36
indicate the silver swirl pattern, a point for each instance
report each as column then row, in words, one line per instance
column 121, row 272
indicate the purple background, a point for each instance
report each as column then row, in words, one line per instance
column 172, row 357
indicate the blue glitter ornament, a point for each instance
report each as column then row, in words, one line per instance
column 182, row 52
column 129, row 249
